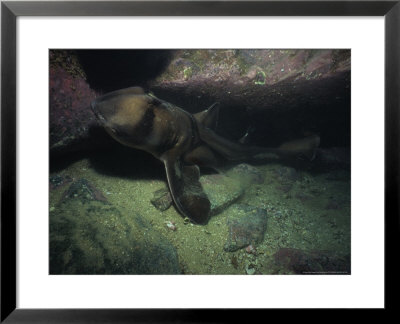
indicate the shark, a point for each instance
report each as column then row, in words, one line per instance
column 184, row 142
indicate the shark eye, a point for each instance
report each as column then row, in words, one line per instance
column 117, row 132
column 120, row 132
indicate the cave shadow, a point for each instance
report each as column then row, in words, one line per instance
column 112, row 69
column 107, row 156
column 127, row 163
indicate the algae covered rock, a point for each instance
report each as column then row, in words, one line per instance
column 69, row 102
column 247, row 174
column 162, row 199
column 247, row 225
column 58, row 181
column 312, row 262
column 279, row 92
column 249, row 72
column 84, row 191
column 91, row 236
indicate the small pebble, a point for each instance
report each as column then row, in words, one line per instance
column 251, row 249
column 250, row 271
column 171, row 225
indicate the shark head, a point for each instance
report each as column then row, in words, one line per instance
column 127, row 115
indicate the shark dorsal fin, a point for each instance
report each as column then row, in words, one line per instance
column 209, row 117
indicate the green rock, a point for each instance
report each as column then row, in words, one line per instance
column 247, row 225
column 95, row 237
column 162, row 199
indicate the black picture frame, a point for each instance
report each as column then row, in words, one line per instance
column 10, row 10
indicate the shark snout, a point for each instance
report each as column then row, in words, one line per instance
column 96, row 112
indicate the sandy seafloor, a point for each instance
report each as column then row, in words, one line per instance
column 313, row 215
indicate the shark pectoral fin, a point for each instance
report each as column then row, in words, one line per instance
column 209, row 117
column 203, row 156
column 186, row 190
column 194, row 198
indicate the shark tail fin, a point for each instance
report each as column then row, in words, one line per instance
column 304, row 147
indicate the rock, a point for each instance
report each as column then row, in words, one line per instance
column 247, row 174
column 311, row 262
column 83, row 191
column 90, row 236
column 250, row 270
column 162, row 199
column 250, row 72
column 71, row 118
column 285, row 175
column 280, row 92
column 222, row 191
column 247, row 225
column 59, row 181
